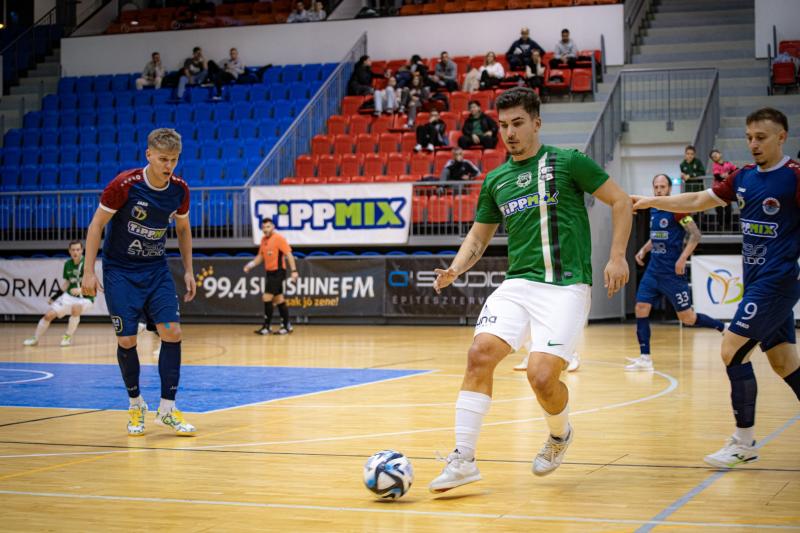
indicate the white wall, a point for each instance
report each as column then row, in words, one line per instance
column 99, row 22
column 641, row 162
column 388, row 38
column 784, row 15
column 41, row 7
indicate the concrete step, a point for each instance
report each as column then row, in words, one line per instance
column 33, row 89
column 736, row 123
column 691, row 46
column 693, row 57
column 10, row 119
column 684, row 19
column 45, row 69
column 692, row 34
column 15, row 102
column 673, row 6
column 790, row 101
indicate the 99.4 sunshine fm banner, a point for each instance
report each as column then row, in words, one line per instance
column 323, row 215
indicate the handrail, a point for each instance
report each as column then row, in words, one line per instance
column 775, row 40
column 711, row 112
column 23, row 34
column 633, row 23
column 610, row 117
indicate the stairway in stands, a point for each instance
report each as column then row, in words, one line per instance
column 38, row 82
column 720, row 34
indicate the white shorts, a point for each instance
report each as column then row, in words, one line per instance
column 539, row 316
column 63, row 304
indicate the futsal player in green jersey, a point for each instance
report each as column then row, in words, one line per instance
column 68, row 301
column 544, row 301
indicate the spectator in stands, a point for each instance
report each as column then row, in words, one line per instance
column 195, row 71
column 721, row 169
column 459, row 168
column 692, row 170
column 534, row 73
column 445, row 75
column 472, row 81
column 232, row 68
column 414, row 97
column 299, row 14
column 565, row 52
column 519, row 53
column 432, row 134
column 153, row 73
column 478, row 129
column 360, row 83
column 317, row 14
column 386, row 99
column 492, row 72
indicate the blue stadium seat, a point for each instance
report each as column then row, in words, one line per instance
column 50, row 155
column 192, row 172
column 298, row 90
column 124, row 116
column 370, row 254
column 314, row 87
column 205, row 130
column 128, row 151
column 108, row 171
column 11, row 156
column 29, row 178
column 126, row 133
column 68, row 119
column 50, row 103
column 327, row 69
column 253, row 148
column 66, row 214
column 67, row 102
column 13, row 138
column 105, row 101
column 311, row 72
column 163, row 114
column 272, row 75
column 30, row 155
column 190, row 149
column 237, row 93
column 87, row 101
column 106, row 116
column 48, row 177
column 209, row 150
column 106, row 135
column 143, row 115
column 291, row 73
column 32, row 120
column 283, row 109
column 203, row 112
column 278, row 92
column 234, row 172
column 258, row 93
column 68, row 154
column 188, row 130
column 84, row 84
column 31, row 138
column 87, row 118
column 298, row 105
column 142, row 131
column 283, row 125
column 67, row 136
column 87, row 136
column 87, row 175
column 319, row 253
column 161, row 96
column 123, row 99
column 23, row 213
column 142, row 98
column 66, row 85
column 247, row 129
column 242, row 111
column 88, row 154
column 262, row 110
column 343, row 253
column 222, row 111
column 212, row 173
column 226, row 131
column 103, row 83
column 108, row 154
column 447, row 252
column 9, row 178
column 120, row 83
column 231, row 150
column 49, row 137
column 297, row 254
column 253, row 163
column 267, row 127
column 183, row 113
column 68, row 176
column 50, row 119
column 395, row 252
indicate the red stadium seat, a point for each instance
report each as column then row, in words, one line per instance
column 373, row 164
column 382, row 124
column 452, row 138
column 366, row 143
column 350, row 164
column 292, row 181
column 328, row 165
column 422, row 118
column 421, row 163
column 493, row 159
column 477, row 61
column 304, row 166
column 385, row 179
column 474, row 156
column 343, row 144
column 337, row 124
column 450, row 119
column 338, row 179
column 360, row 124
column 395, row 64
column 484, row 98
column 379, row 67
column 783, row 75
column 440, row 160
column 464, row 207
column 411, row 9
column 408, row 178
column 361, row 179
column 558, row 81
column 459, row 101
column 497, row 5
column 408, row 142
column 439, row 208
column 320, row 144
column 419, row 205
column 581, row 81
column 314, row 181
column 388, row 142
column 461, row 63
column 396, row 164
column 351, row 104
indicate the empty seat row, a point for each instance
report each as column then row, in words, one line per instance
column 392, row 163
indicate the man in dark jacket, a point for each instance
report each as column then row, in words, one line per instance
column 459, row 168
column 478, row 129
column 432, row 134
column 360, row 83
column 519, row 54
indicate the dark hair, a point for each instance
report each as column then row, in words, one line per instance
column 712, row 151
column 443, row 52
column 768, row 113
column 519, row 97
column 154, row 53
column 265, row 220
column 362, row 59
column 195, row 49
column 565, row 30
column 416, row 58
column 690, row 147
column 477, row 103
column 78, row 242
column 669, row 181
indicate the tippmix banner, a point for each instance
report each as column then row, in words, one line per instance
column 27, row 284
column 718, row 285
column 334, row 214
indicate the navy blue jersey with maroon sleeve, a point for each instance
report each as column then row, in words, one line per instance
column 666, row 236
column 137, row 233
column 769, row 202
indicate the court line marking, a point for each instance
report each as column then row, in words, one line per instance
column 51, row 467
column 686, row 498
column 49, row 418
column 673, row 384
column 47, row 375
column 404, row 512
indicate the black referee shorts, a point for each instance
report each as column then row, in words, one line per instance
column 275, row 280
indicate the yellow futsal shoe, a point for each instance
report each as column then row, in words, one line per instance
column 174, row 419
column 136, row 419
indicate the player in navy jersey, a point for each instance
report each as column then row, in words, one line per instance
column 768, row 195
column 666, row 273
column 136, row 209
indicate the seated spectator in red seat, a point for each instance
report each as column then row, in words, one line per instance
column 565, row 52
column 317, row 14
column 478, row 129
column 534, row 73
column 459, row 168
column 492, row 72
column 472, row 80
column 519, row 53
column 414, row 97
column 360, row 83
column 432, row 134
column 386, row 99
column 445, row 75
column 299, row 14
column 153, row 73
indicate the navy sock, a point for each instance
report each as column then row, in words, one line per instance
column 793, row 380
column 283, row 309
column 169, row 368
column 743, row 394
column 267, row 313
column 128, row 360
column 705, row 321
column 643, row 334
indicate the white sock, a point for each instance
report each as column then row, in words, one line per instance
column 72, row 325
column 645, row 357
column 470, row 410
column 746, row 435
column 559, row 423
column 136, row 401
column 166, row 406
column 41, row 328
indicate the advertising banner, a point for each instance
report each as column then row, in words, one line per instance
column 409, row 287
column 26, row 285
column 334, row 214
column 718, row 285
column 326, row 287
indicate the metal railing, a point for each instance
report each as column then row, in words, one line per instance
column 708, row 126
column 607, row 128
column 297, row 139
column 635, row 13
column 717, row 221
column 32, row 46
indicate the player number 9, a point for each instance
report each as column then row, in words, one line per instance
column 750, row 310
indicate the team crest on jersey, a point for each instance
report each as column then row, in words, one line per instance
column 663, row 222
column 524, row 179
column 771, row 206
column 139, row 213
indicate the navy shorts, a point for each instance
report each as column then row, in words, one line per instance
column 135, row 295
column 674, row 287
column 766, row 315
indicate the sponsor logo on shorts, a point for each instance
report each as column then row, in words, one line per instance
column 742, row 324
column 551, row 343
column 485, row 321
column 723, row 287
column 117, row 322
column 152, row 234
column 139, row 213
column 758, row 228
column 771, row 206
column 524, row 179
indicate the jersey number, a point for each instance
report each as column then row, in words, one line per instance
column 750, row 311
column 682, row 297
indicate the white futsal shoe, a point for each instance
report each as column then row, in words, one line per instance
column 32, row 341
column 574, row 363
column 66, row 340
column 639, row 364
column 552, row 454
column 458, row 471
column 733, row 454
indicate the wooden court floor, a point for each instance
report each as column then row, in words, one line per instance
column 294, row 464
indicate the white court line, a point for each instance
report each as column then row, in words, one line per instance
column 403, row 512
column 44, row 376
column 673, row 383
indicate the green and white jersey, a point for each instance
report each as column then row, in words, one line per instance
column 541, row 202
column 74, row 275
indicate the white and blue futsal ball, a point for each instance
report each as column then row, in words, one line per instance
column 388, row 474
